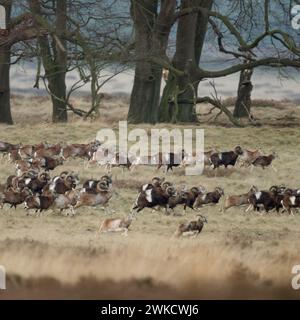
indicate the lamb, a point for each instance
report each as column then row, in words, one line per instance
column 116, row 225
column 193, row 226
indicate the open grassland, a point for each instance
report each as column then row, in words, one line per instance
column 237, row 255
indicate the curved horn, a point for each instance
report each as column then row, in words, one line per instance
column 102, row 186
column 171, row 190
column 40, row 175
column 64, row 174
column 238, row 150
column 106, row 178
column 32, row 173
column 23, row 175
column 166, row 184
column 195, row 189
column 202, row 217
column 274, row 189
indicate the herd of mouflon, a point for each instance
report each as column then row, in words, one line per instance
column 33, row 187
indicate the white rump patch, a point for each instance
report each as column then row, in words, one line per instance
column 27, row 181
column 91, row 184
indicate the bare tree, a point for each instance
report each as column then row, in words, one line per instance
column 285, row 53
column 18, row 28
column 5, row 113
column 65, row 36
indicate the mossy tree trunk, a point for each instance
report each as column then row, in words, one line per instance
column 180, row 93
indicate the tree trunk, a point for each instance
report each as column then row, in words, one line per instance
column 5, row 111
column 145, row 86
column 145, row 95
column 151, row 38
column 243, row 103
column 57, row 87
column 54, row 58
column 57, row 82
column 180, row 93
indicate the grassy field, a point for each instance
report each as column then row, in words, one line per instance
column 237, row 255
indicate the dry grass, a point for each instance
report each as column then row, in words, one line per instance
column 237, row 255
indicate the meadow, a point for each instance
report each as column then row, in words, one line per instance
column 237, row 255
